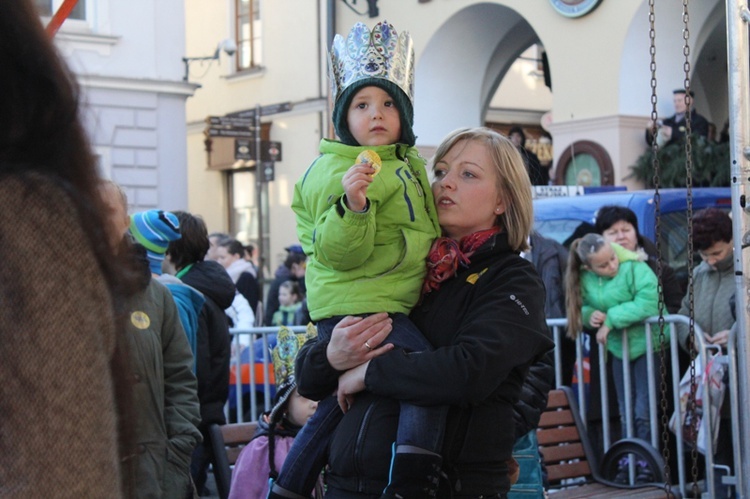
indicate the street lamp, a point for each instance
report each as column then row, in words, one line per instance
column 227, row 45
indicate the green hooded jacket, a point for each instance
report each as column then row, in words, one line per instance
column 628, row 299
column 372, row 261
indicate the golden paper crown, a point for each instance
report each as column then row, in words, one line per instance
column 382, row 53
column 285, row 352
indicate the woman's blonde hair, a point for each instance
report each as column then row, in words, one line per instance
column 513, row 184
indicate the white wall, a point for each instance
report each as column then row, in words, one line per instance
column 127, row 60
column 292, row 71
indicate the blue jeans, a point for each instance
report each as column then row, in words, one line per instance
column 417, row 425
column 638, row 392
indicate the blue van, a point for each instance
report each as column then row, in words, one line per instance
column 558, row 217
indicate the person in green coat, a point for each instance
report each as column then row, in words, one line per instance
column 166, row 410
column 613, row 290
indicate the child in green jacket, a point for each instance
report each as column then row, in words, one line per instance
column 613, row 290
column 366, row 222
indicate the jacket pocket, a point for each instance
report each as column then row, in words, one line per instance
column 176, row 481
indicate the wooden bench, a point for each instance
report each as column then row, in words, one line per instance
column 227, row 442
column 572, row 470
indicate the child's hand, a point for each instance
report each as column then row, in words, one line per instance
column 351, row 383
column 356, row 181
column 345, row 401
column 601, row 335
column 597, row 318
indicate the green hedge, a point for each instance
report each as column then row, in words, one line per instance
column 711, row 165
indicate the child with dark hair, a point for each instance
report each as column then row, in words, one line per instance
column 293, row 269
column 185, row 259
column 290, row 299
column 262, row 458
column 613, row 290
column 366, row 217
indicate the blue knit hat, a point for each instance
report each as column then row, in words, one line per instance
column 154, row 229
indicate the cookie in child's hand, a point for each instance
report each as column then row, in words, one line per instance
column 371, row 158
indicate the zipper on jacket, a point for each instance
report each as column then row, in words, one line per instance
column 401, row 173
column 360, row 442
column 414, row 178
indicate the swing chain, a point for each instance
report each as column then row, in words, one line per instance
column 664, row 408
column 689, row 184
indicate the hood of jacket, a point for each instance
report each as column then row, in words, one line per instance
column 183, row 292
column 186, row 292
column 212, row 280
column 625, row 255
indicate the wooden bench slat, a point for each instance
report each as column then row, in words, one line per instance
column 233, row 453
column 556, row 418
column 600, row 491
column 558, row 435
column 639, row 493
column 557, row 398
column 236, row 436
column 576, row 492
column 238, row 432
column 561, row 471
column 557, row 453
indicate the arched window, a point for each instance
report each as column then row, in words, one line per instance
column 585, row 163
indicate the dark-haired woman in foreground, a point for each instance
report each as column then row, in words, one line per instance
column 64, row 392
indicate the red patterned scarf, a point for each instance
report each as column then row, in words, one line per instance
column 446, row 255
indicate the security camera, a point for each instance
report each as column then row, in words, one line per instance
column 229, row 46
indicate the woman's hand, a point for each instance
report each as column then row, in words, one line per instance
column 597, row 318
column 721, row 338
column 356, row 340
column 356, row 180
column 601, row 335
column 351, row 383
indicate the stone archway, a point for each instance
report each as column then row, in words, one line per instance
column 708, row 59
column 462, row 65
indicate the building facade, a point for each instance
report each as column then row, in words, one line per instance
column 127, row 58
column 581, row 75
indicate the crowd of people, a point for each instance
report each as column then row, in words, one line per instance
column 439, row 356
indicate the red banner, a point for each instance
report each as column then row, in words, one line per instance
column 60, row 16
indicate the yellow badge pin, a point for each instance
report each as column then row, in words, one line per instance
column 140, row 320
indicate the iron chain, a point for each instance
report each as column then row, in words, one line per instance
column 663, row 344
column 689, row 184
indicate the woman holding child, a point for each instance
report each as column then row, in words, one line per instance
column 482, row 309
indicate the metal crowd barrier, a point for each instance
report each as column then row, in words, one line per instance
column 243, row 341
column 558, row 327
